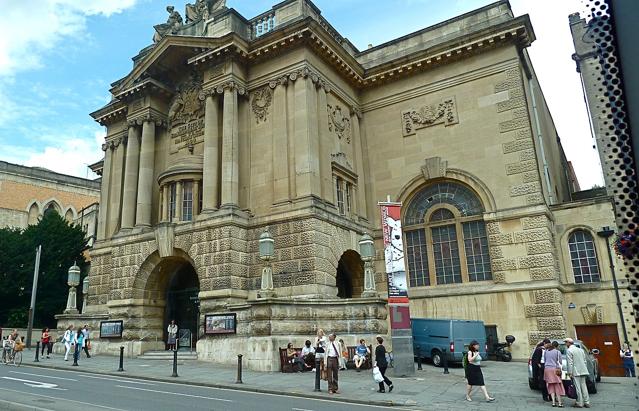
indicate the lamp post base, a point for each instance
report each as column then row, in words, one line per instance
column 370, row 293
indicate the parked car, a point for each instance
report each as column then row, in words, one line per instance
column 591, row 362
column 434, row 338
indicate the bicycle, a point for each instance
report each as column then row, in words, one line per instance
column 10, row 355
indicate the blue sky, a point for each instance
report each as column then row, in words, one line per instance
column 58, row 57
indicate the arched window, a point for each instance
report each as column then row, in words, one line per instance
column 583, row 257
column 445, row 236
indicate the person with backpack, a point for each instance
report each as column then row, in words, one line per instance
column 474, row 376
column 68, row 340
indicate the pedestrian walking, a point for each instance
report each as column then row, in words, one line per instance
column 538, row 367
column 331, row 364
column 578, row 370
column 320, row 351
column 78, row 341
column 172, row 331
column 628, row 362
column 68, row 340
column 473, row 372
column 552, row 374
column 382, row 364
column 46, row 342
column 86, row 342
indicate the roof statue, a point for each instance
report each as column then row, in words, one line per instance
column 202, row 9
column 172, row 25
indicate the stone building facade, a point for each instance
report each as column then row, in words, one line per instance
column 226, row 126
column 26, row 193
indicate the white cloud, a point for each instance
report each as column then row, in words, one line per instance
column 33, row 27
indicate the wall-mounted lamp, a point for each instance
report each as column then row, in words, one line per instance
column 571, row 306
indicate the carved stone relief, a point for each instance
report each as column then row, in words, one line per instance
column 429, row 115
column 592, row 313
column 260, row 103
column 339, row 123
column 186, row 122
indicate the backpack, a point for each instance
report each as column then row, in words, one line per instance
column 465, row 359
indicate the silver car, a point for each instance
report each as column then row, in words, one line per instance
column 591, row 362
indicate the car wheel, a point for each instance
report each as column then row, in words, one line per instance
column 532, row 384
column 437, row 359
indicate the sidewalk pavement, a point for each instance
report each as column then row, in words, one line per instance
column 429, row 389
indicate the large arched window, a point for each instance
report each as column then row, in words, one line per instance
column 445, row 236
column 583, row 257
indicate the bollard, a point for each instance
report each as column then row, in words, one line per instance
column 175, row 374
column 121, row 369
column 317, row 375
column 419, row 358
column 37, row 352
column 239, row 369
column 445, row 362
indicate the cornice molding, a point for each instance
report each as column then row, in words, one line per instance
column 110, row 114
column 145, row 87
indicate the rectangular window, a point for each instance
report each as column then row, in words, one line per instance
column 187, row 201
column 349, row 187
column 417, row 258
column 477, row 255
column 446, row 252
column 583, row 258
column 199, row 200
column 172, row 195
column 339, row 187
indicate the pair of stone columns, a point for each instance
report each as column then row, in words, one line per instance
column 228, row 196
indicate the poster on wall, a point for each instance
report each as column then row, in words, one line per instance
column 394, row 253
column 216, row 324
column 111, row 329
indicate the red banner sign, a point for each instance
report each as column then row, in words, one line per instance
column 394, row 253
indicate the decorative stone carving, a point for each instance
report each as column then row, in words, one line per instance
column 536, row 261
column 339, row 123
column 517, row 145
column 434, row 167
column 504, row 264
column 202, row 9
column 492, row 227
column 592, row 313
column 547, row 296
column 539, row 221
column 524, row 189
column 551, row 323
column 260, row 103
column 172, row 25
column 186, row 106
column 165, row 238
column 544, row 273
column 542, row 310
column 539, row 247
column 500, row 239
column 519, row 120
column 429, row 115
column 499, row 277
column 528, row 236
column 520, row 167
column 535, row 336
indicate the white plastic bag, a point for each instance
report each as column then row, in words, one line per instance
column 377, row 375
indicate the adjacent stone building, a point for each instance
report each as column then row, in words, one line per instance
column 226, row 127
column 26, row 193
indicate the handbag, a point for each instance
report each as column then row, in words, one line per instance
column 88, row 345
column 377, row 375
column 571, row 391
column 558, row 372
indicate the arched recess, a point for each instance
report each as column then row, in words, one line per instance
column 453, row 175
column 69, row 216
column 33, row 213
column 600, row 251
column 52, row 205
column 350, row 275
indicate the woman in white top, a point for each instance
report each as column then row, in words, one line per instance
column 320, row 350
column 68, row 339
column 473, row 372
column 172, row 331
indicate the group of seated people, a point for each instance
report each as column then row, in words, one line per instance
column 304, row 360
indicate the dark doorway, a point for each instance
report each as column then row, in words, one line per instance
column 182, row 304
column 350, row 275
column 491, row 339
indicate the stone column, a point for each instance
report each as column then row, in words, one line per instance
column 115, row 197
column 104, row 191
column 359, row 194
column 306, row 139
column 230, row 149
column 325, row 146
column 211, row 167
column 165, row 202
column 145, row 177
column 179, row 193
column 131, row 169
column 196, row 198
column 280, row 143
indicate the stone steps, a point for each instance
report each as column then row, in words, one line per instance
column 168, row 355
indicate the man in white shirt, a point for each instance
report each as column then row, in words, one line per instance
column 308, row 355
column 331, row 363
column 577, row 368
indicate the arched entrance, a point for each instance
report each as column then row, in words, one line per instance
column 350, row 275
column 182, row 303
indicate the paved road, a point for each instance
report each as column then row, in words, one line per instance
column 38, row 388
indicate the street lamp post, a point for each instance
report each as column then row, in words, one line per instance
column 73, row 281
column 267, row 250
column 367, row 252
column 85, row 293
column 606, row 233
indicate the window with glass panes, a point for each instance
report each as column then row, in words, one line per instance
column 445, row 236
column 187, row 201
column 172, row 195
column 583, row 257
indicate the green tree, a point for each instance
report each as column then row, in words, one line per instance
column 62, row 245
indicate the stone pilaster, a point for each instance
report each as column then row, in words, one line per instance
column 104, row 190
column 196, row 198
column 179, row 193
column 145, row 176
column 165, row 202
column 131, row 169
column 326, row 146
column 280, row 144
column 211, row 167
column 359, row 193
column 115, row 190
column 230, row 149
column 306, row 139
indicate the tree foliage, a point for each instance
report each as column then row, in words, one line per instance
column 62, row 245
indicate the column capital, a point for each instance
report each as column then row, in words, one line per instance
column 355, row 112
column 139, row 120
column 304, row 72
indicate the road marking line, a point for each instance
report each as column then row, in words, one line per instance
column 300, row 409
column 174, row 393
column 36, row 384
column 42, row 376
column 62, row 399
column 128, row 381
